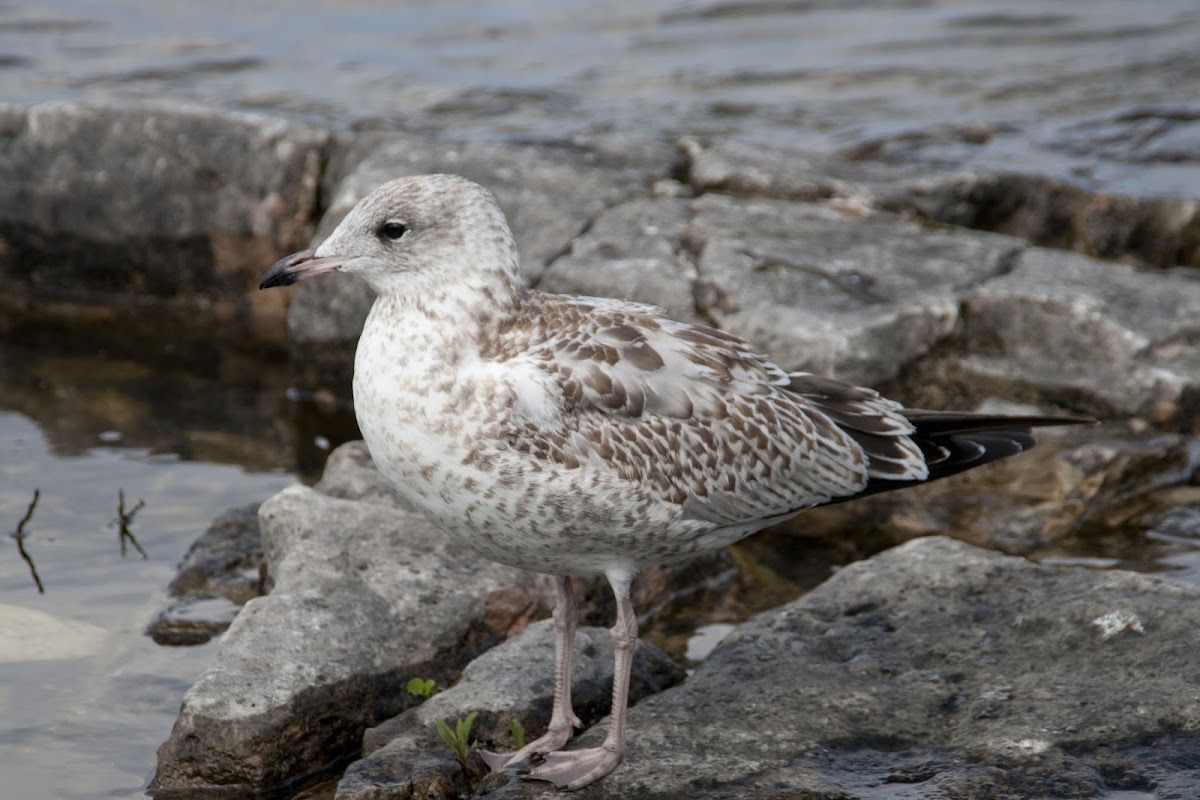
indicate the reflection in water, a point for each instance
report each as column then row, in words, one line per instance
column 183, row 414
column 124, row 520
column 85, row 697
column 19, row 536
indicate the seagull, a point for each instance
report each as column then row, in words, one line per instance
column 579, row 436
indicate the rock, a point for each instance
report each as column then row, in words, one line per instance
column 1107, row 340
column 745, row 170
column 192, row 620
column 908, row 173
column 1150, row 231
column 513, row 681
column 938, row 669
column 633, row 251
column 27, row 634
column 165, row 201
column 226, row 561
column 220, row 572
column 550, row 193
column 365, row 595
column 827, row 290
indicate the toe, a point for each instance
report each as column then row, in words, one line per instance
column 495, row 761
column 575, row 769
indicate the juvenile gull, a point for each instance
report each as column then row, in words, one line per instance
column 583, row 436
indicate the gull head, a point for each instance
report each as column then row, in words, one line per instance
column 411, row 232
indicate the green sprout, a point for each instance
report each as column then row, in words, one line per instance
column 421, row 687
column 459, row 738
column 518, row 732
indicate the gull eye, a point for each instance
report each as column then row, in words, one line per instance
column 393, row 230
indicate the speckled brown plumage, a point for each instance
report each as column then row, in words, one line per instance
column 576, row 436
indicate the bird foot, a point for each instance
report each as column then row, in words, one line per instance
column 554, row 739
column 574, row 769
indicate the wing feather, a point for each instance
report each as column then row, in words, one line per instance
column 696, row 418
column 693, row 413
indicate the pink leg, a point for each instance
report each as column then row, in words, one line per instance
column 578, row 768
column 562, row 717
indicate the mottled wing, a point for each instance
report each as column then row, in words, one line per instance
column 693, row 414
column 906, row 446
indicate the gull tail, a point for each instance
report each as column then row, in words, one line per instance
column 952, row 442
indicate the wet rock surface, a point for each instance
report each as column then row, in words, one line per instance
column 162, row 201
column 220, row 572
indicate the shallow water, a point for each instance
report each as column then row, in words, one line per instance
column 84, row 717
column 1095, row 92
column 194, row 423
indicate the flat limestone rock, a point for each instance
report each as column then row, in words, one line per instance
column 633, row 251
column 1108, row 339
column 826, row 289
column 938, row 669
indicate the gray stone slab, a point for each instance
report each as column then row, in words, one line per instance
column 831, row 290
column 933, row 670
column 366, row 596
column 632, row 251
column 1104, row 338
column 513, row 681
column 161, row 200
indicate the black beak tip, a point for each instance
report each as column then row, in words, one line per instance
column 274, row 278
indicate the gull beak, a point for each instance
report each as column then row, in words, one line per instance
column 299, row 266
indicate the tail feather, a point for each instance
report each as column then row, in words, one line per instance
column 907, row 446
column 953, row 442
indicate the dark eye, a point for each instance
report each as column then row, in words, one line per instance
column 393, row 230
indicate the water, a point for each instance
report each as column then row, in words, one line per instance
column 1046, row 79
column 193, row 422
column 83, row 719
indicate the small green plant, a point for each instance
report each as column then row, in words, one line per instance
column 459, row 738
column 518, row 732
column 422, row 688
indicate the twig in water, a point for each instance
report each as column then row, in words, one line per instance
column 19, row 535
column 123, row 520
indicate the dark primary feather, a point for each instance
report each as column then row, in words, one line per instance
column 949, row 441
column 954, row 442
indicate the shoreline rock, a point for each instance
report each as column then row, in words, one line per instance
column 935, row 666
column 872, row 271
column 365, row 595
